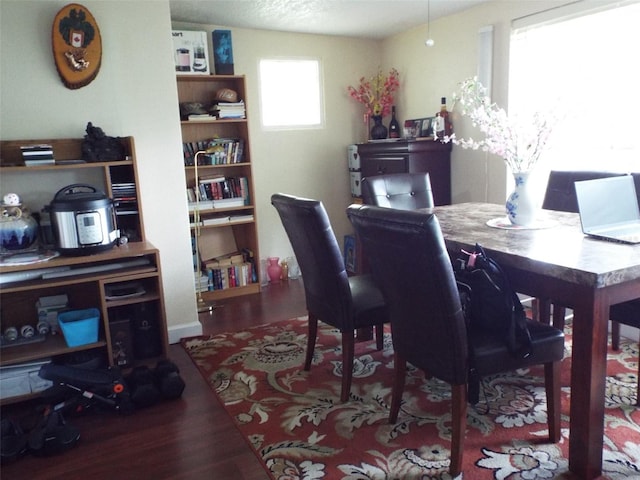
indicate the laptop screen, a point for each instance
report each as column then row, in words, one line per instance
column 607, row 201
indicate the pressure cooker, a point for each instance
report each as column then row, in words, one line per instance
column 83, row 220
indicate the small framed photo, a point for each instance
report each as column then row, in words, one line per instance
column 190, row 53
column 350, row 253
column 426, row 127
column 419, row 127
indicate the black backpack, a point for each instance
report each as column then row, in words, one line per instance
column 489, row 302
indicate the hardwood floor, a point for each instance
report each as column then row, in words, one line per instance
column 188, row 438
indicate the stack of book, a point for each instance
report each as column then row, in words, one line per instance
column 228, row 271
column 36, row 155
column 230, row 110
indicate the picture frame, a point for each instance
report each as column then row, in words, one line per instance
column 426, row 127
column 350, row 253
column 190, row 52
column 420, row 127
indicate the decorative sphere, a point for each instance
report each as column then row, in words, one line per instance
column 429, row 42
column 11, row 199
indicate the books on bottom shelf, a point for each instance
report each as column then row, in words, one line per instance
column 231, row 276
column 202, row 283
column 228, row 271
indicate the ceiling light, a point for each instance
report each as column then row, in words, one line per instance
column 429, row 42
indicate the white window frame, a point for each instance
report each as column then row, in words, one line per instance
column 595, row 147
column 281, row 89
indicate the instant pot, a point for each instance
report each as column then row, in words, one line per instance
column 83, row 220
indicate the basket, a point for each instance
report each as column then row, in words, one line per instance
column 79, row 327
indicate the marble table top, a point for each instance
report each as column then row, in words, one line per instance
column 561, row 250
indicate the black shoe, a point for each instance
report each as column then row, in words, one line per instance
column 141, row 382
column 14, row 441
column 168, row 380
column 53, row 436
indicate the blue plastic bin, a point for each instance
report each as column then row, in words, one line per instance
column 79, row 327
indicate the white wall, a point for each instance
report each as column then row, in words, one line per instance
column 133, row 94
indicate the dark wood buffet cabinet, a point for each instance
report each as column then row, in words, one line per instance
column 405, row 156
column 410, row 156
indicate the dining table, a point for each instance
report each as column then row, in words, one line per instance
column 555, row 261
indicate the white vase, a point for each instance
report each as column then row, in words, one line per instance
column 522, row 208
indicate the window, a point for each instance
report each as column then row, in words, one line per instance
column 584, row 67
column 290, row 93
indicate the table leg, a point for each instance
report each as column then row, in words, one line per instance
column 588, row 372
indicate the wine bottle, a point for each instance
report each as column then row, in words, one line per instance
column 394, row 126
column 443, row 122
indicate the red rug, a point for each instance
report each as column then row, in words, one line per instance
column 299, row 428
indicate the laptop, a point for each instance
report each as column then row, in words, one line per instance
column 609, row 208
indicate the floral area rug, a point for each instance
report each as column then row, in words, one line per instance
column 299, row 428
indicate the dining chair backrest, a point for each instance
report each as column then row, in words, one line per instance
column 404, row 191
column 561, row 193
column 319, row 256
column 411, row 266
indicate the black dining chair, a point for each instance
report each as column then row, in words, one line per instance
column 561, row 195
column 411, row 265
column 348, row 303
column 404, row 191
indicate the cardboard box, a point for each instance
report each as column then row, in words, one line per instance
column 190, row 52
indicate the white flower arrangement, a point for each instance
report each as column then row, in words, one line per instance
column 518, row 141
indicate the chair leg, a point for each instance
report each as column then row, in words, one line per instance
column 348, row 347
column 615, row 335
column 541, row 308
column 399, row 374
column 558, row 317
column 379, row 336
column 552, row 387
column 311, row 340
column 458, row 427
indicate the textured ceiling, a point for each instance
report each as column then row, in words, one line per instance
column 356, row 18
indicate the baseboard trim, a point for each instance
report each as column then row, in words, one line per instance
column 184, row 330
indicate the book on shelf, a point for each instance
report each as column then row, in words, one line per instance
column 40, row 162
column 219, row 220
column 234, row 258
column 241, row 218
column 200, row 117
column 228, row 202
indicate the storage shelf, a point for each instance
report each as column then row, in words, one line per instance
column 52, row 346
column 202, row 89
column 81, row 278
